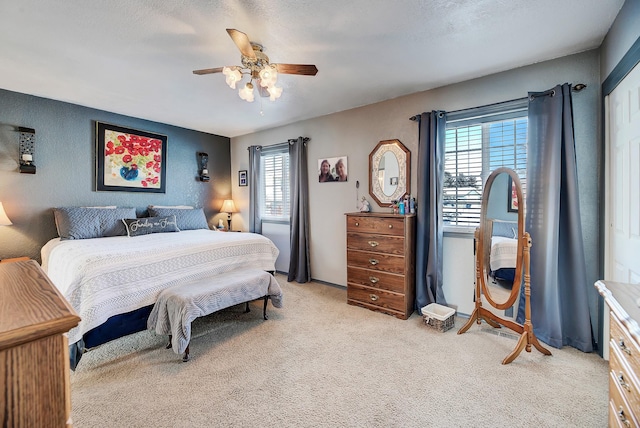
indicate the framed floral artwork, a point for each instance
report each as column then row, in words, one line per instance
column 128, row 160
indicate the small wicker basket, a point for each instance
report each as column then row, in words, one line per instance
column 439, row 317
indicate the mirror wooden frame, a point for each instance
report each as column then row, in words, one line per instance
column 482, row 233
column 403, row 155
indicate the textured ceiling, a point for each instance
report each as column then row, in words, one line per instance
column 136, row 57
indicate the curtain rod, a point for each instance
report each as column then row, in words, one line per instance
column 574, row 88
column 305, row 140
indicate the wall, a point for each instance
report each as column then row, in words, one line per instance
column 65, row 160
column 621, row 36
column 356, row 132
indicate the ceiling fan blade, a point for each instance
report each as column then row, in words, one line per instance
column 242, row 42
column 208, row 70
column 305, row 69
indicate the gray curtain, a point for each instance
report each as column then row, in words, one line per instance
column 255, row 222
column 429, row 216
column 559, row 288
column 299, row 263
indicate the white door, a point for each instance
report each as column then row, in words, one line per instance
column 623, row 188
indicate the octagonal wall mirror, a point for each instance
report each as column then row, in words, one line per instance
column 390, row 172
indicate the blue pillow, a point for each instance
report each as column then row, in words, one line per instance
column 186, row 219
column 85, row 222
column 147, row 225
column 508, row 229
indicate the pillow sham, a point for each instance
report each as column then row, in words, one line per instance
column 505, row 228
column 86, row 223
column 148, row 225
column 186, row 219
column 177, row 207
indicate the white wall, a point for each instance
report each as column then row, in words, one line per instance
column 356, row 132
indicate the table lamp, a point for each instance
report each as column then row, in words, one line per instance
column 228, row 207
column 4, row 220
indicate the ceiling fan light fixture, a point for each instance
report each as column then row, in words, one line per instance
column 246, row 93
column 274, row 92
column 233, row 76
column 268, row 76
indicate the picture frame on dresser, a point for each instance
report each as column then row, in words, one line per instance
column 129, row 160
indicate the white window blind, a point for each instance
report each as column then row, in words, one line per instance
column 476, row 143
column 275, row 184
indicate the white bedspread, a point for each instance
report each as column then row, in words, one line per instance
column 103, row 277
column 504, row 253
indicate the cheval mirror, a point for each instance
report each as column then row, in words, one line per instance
column 502, row 259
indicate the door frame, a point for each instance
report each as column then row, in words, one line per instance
column 617, row 75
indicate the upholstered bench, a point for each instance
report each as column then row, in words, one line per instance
column 177, row 306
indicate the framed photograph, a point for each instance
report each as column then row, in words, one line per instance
column 128, row 160
column 512, row 197
column 332, row 169
column 242, row 178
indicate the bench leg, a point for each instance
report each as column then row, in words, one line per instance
column 168, row 344
column 264, row 310
column 185, row 357
column 246, row 308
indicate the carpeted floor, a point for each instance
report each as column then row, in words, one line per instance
column 319, row 362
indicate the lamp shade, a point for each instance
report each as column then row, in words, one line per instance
column 228, row 207
column 4, row 220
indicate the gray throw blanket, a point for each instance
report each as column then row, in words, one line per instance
column 178, row 306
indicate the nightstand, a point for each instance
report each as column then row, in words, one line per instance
column 15, row 259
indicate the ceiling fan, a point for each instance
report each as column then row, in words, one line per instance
column 256, row 65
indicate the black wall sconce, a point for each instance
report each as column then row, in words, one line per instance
column 27, row 150
column 203, row 159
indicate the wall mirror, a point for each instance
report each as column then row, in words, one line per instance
column 502, row 259
column 390, row 172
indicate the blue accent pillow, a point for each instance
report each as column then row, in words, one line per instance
column 86, row 223
column 186, row 219
column 508, row 229
column 147, row 225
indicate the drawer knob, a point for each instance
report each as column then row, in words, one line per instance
column 373, row 297
column 623, row 346
column 622, row 382
column 373, row 279
column 373, row 261
column 357, row 223
column 373, row 243
column 390, row 226
column 623, row 418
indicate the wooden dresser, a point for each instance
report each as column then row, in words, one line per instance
column 380, row 262
column 624, row 352
column 34, row 353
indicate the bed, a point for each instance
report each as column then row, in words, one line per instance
column 504, row 250
column 112, row 280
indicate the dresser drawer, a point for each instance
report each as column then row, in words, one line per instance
column 375, row 279
column 376, row 261
column 623, row 342
column 621, row 409
column 376, row 243
column 376, row 297
column 624, row 376
column 378, row 225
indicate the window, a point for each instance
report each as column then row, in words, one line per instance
column 477, row 141
column 274, row 167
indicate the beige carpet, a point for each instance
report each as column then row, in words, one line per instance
column 319, row 362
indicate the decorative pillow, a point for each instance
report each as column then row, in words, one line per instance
column 85, row 223
column 177, row 207
column 147, row 225
column 186, row 219
column 505, row 228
